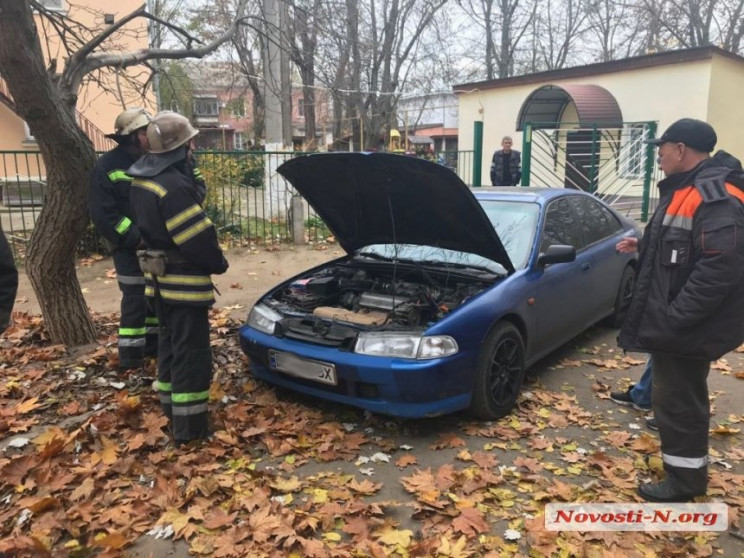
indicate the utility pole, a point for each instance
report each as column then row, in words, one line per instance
column 276, row 194
column 272, row 77
column 286, row 82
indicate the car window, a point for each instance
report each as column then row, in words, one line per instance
column 516, row 224
column 596, row 221
column 560, row 226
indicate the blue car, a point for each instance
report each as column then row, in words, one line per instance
column 445, row 296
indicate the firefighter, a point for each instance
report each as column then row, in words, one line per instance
column 182, row 252
column 8, row 281
column 111, row 214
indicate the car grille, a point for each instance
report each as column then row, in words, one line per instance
column 319, row 332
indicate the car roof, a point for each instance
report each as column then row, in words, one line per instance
column 523, row 193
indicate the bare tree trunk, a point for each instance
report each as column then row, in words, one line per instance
column 69, row 157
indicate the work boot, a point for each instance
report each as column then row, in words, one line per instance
column 666, row 491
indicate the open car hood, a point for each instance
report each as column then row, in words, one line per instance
column 382, row 198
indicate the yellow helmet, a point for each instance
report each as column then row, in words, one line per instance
column 169, row 130
column 130, row 121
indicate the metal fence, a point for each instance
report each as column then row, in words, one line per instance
column 248, row 201
column 613, row 163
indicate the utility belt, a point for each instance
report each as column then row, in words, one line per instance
column 155, row 261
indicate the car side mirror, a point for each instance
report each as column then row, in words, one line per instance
column 556, row 253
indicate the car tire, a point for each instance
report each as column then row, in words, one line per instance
column 622, row 299
column 499, row 374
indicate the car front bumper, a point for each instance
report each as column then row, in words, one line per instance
column 392, row 386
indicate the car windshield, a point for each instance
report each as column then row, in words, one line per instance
column 515, row 223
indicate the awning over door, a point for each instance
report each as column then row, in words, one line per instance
column 594, row 105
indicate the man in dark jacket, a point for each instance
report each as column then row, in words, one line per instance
column 8, row 281
column 112, row 216
column 182, row 253
column 506, row 165
column 688, row 305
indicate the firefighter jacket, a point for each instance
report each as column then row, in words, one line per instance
column 689, row 293
column 108, row 198
column 168, row 213
column 8, row 281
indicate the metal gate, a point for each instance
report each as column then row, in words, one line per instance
column 613, row 163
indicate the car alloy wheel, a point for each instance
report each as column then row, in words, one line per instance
column 500, row 373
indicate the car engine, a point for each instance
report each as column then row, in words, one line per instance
column 382, row 296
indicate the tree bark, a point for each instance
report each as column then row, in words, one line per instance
column 69, row 157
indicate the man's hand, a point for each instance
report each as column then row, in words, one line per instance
column 627, row 245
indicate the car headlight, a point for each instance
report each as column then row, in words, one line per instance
column 263, row 319
column 399, row 345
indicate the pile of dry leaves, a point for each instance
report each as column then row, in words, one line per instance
column 86, row 468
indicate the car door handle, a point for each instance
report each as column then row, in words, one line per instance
column 586, row 267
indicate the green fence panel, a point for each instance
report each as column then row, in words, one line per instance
column 248, row 201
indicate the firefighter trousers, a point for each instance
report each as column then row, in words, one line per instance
column 138, row 324
column 184, row 369
column 682, row 411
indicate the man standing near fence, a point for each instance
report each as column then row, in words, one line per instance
column 182, row 252
column 111, row 214
column 506, row 165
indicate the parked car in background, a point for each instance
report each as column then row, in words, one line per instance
column 445, row 296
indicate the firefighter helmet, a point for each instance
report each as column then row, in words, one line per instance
column 169, row 130
column 130, row 121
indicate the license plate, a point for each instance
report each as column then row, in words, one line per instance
column 314, row 370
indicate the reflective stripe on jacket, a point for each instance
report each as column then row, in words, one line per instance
column 108, row 198
column 169, row 217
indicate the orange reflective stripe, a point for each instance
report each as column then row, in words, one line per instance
column 684, row 203
column 736, row 192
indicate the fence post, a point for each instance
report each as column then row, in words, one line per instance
column 594, row 170
column 526, row 153
column 297, row 215
column 477, row 152
column 648, row 170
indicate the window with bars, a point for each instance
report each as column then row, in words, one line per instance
column 206, row 107
column 632, row 151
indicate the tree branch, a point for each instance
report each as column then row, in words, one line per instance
column 89, row 61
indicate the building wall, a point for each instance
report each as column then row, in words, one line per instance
column 661, row 93
column 96, row 103
column 725, row 106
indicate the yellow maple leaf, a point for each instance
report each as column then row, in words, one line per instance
column 453, row 550
column 109, row 454
column 334, row 537
column 27, row 406
column 176, row 519
column 320, row 495
column 49, row 435
column 286, row 485
column 395, row 537
column 721, row 429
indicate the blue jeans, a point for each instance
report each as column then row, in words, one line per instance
column 640, row 393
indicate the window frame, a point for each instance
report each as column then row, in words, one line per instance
column 580, row 246
column 212, row 102
column 575, row 201
column 61, row 7
column 632, row 151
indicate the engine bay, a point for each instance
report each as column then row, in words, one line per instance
column 378, row 296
